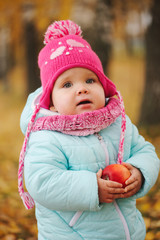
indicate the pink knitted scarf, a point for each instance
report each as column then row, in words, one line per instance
column 78, row 125
column 81, row 124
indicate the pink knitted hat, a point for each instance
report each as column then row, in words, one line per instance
column 65, row 48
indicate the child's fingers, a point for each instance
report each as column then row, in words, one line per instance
column 111, row 197
column 109, row 200
column 128, row 166
column 129, row 194
column 99, row 173
column 116, row 190
column 113, row 184
column 130, row 180
column 114, row 187
column 131, row 186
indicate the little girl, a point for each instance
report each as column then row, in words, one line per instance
column 77, row 128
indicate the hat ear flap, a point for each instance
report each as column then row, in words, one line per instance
column 108, row 86
column 112, row 89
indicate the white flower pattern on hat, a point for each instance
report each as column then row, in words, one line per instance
column 74, row 43
column 60, row 50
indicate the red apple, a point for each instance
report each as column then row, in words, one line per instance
column 117, row 173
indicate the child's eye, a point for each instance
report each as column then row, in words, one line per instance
column 90, row 80
column 67, row 85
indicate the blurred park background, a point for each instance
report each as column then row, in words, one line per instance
column 126, row 36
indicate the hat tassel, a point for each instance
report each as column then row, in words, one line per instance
column 123, row 128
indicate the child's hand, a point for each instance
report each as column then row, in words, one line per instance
column 134, row 182
column 108, row 190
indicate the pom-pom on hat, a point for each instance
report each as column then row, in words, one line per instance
column 65, row 48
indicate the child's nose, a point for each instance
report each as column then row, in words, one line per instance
column 82, row 90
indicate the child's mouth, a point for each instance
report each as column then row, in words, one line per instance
column 84, row 102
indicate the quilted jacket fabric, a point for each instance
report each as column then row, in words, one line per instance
column 60, row 175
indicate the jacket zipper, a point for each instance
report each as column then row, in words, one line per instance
column 79, row 213
column 100, row 138
column 75, row 218
column 123, row 220
column 104, row 147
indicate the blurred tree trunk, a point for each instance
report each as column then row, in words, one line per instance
column 102, row 41
column 31, row 47
column 7, row 59
column 150, row 111
column 99, row 35
column 31, row 44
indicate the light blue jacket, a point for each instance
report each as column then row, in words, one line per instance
column 60, row 175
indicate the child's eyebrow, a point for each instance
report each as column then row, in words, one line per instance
column 93, row 76
column 64, row 79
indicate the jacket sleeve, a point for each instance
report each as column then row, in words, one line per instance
column 49, row 180
column 144, row 157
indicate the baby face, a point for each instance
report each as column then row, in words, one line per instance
column 76, row 91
